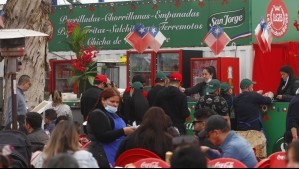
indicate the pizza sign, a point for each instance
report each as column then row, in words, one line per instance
column 278, row 18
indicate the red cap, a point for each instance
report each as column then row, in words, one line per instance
column 176, row 77
column 101, row 78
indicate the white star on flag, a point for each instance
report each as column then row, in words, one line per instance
column 141, row 30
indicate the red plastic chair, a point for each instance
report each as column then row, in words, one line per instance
column 278, row 160
column 226, row 163
column 265, row 163
column 133, row 155
column 151, row 163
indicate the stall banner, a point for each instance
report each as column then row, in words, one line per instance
column 184, row 23
column 282, row 17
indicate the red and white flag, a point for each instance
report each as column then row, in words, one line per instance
column 138, row 38
column 216, row 39
column 156, row 39
column 263, row 36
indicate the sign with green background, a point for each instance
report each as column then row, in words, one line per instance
column 283, row 16
column 185, row 23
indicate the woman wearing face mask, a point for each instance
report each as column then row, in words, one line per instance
column 208, row 73
column 289, row 83
column 106, row 129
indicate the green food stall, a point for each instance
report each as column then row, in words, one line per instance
column 274, row 122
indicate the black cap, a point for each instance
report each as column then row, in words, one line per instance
column 215, row 122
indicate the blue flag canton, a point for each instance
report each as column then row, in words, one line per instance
column 263, row 24
column 141, row 30
column 217, row 31
column 154, row 31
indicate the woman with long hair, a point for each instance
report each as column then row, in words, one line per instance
column 61, row 108
column 65, row 139
column 106, row 129
column 208, row 73
column 289, row 83
column 151, row 134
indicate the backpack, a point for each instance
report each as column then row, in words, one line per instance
column 21, row 154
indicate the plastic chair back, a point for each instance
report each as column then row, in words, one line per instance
column 265, row 163
column 151, row 163
column 278, row 160
column 226, row 163
column 133, row 155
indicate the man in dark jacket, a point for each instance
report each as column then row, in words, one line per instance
column 247, row 107
column 36, row 135
column 91, row 96
column 174, row 102
column 160, row 84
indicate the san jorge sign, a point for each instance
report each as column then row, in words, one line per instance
column 278, row 18
column 228, row 19
column 183, row 23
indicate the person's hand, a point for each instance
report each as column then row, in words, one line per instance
column 129, row 130
column 295, row 138
column 269, row 94
column 260, row 92
column 204, row 149
column 182, row 89
column 279, row 97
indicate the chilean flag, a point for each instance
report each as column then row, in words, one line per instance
column 263, row 36
column 267, row 37
column 138, row 38
column 216, row 39
column 156, row 39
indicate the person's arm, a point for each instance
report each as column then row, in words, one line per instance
column 210, row 153
column 260, row 99
column 184, row 107
column 293, row 117
column 193, row 90
column 102, row 128
column 288, row 97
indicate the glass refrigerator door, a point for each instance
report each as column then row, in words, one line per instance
column 62, row 74
column 141, row 64
column 168, row 63
column 198, row 65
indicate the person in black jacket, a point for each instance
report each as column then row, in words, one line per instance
column 138, row 104
column 208, row 74
column 174, row 102
column 91, row 96
column 292, row 121
column 289, row 83
column 160, row 84
column 247, row 107
column 106, row 129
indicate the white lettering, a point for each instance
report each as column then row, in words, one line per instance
column 150, row 165
column 224, row 165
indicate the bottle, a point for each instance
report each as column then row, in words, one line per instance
column 168, row 156
column 230, row 77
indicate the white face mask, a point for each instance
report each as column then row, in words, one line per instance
column 208, row 80
column 111, row 109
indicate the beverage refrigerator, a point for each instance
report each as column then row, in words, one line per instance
column 227, row 70
column 149, row 63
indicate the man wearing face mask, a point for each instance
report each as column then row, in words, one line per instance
column 91, row 96
column 106, row 129
column 247, row 107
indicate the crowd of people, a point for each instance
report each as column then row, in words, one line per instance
column 154, row 120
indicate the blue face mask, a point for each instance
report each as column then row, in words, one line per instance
column 111, row 109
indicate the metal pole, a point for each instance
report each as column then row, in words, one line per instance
column 14, row 101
